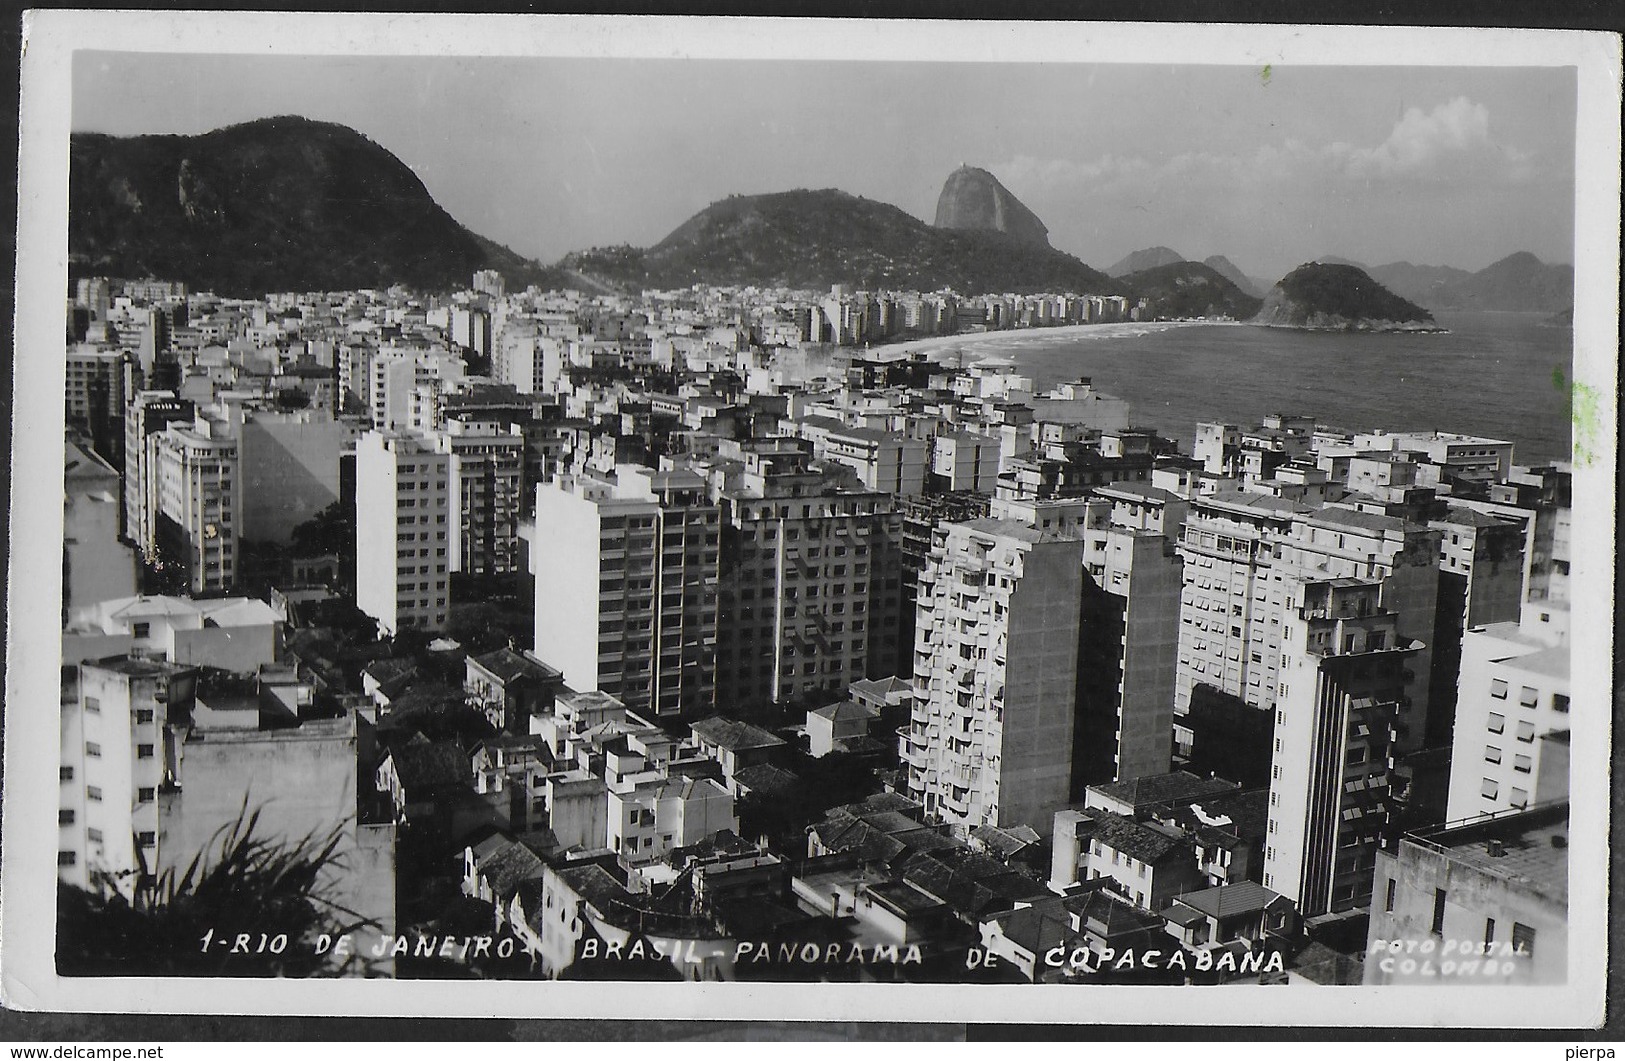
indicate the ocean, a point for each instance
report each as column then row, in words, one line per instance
column 1498, row 375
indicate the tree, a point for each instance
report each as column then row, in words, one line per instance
column 190, row 923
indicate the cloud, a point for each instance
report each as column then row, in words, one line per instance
column 1436, row 142
column 1450, row 142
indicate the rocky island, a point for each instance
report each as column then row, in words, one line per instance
column 1340, row 298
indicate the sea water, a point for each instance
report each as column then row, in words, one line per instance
column 1497, row 375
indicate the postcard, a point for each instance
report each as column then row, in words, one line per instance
column 812, row 518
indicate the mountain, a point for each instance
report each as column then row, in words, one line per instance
column 279, row 204
column 1227, row 269
column 1519, row 281
column 973, row 200
column 1332, row 259
column 813, row 239
column 1424, row 284
column 1149, row 258
column 1329, row 297
column 1192, row 289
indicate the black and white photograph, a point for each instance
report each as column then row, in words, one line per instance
column 863, row 520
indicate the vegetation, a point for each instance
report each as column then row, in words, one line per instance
column 1192, row 289
column 812, row 239
column 1315, row 293
column 188, row 923
column 272, row 205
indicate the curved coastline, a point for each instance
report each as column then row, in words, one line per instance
column 987, row 344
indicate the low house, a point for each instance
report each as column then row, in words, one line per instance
column 653, row 818
column 511, row 772
column 1246, row 911
column 511, row 687
column 735, row 745
column 1147, row 863
column 419, row 775
column 830, row 728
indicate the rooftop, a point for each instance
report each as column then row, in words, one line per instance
column 1533, row 846
column 733, row 735
column 1242, row 899
column 1179, row 786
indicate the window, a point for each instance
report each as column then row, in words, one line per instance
column 66, row 858
column 1522, row 764
column 1498, row 723
column 1492, row 754
column 1490, row 789
column 146, row 795
column 1520, row 798
column 1388, row 897
column 93, row 794
column 143, row 751
column 1438, row 912
column 1526, row 732
column 140, row 630
column 93, row 835
column 65, row 773
column 1528, row 697
column 1498, row 689
column 1560, row 703
column 146, row 839
column 93, row 749
column 1489, row 931
column 143, row 714
column 92, row 705
column 64, row 816
column 1523, row 938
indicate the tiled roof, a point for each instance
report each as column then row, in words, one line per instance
column 1241, row 899
column 767, row 779
column 847, row 711
column 1148, row 791
column 1136, row 839
column 733, row 735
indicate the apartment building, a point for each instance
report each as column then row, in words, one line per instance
column 1242, row 551
column 487, row 461
column 1495, row 886
column 1513, row 697
column 115, row 759
column 1339, row 705
column 403, row 527
column 626, row 586
column 991, row 738
column 195, row 517
column 96, row 565
column 403, row 386
column 811, row 585
column 149, row 412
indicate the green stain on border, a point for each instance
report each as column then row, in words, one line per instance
column 1583, row 406
column 1264, row 75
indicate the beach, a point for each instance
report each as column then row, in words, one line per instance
column 989, row 344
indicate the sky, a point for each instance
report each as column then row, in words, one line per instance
column 1272, row 168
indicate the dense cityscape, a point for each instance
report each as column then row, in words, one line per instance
column 725, row 634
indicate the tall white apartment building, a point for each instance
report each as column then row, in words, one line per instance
column 1242, row 551
column 1129, row 625
column 148, row 413
column 626, row 586
column 403, row 387
column 487, row 462
column 812, row 583
column 1341, row 694
column 991, row 737
column 94, row 391
column 1512, row 716
column 403, row 531
column 195, row 519
column 114, row 761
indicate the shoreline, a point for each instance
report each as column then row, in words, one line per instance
column 1018, row 336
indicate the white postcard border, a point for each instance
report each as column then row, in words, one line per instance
column 27, row 972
